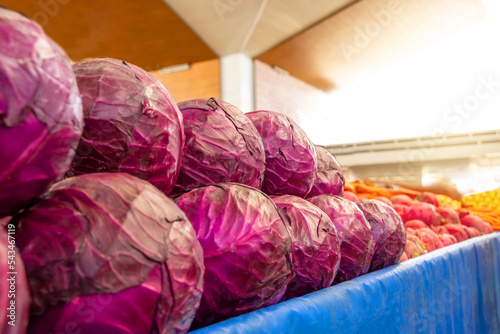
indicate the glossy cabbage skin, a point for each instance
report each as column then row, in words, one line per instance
column 222, row 145
column 246, row 247
column 40, row 112
column 17, row 313
column 132, row 124
column 356, row 238
column 388, row 232
column 291, row 162
column 99, row 313
column 315, row 245
column 329, row 177
column 104, row 233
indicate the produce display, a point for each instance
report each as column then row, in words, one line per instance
column 355, row 234
column 423, row 211
column 291, row 161
column 139, row 215
column 14, row 310
column 488, row 215
column 106, row 312
column 222, row 145
column 487, row 199
column 486, row 205
column 115, row 240
column 246, row 246
column 315, row 245
column 329, row 175
column 448, row 215
column 432, row 221
column 388, row 232
column 40, row 112
column 414, row 245
column 132, row 124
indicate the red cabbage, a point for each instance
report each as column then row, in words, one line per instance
column 222, row 145
column 329, row 177
column 40, row 112
column 355, row 235
column 246, row 247
column 315, row 245
column 291, row 162
column 388, row 232
column 4, row 221
column 132, row 124
column 14, row 290
column 107, row 233
column 99, row 313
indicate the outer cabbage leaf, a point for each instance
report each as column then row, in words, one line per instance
column 356, row 238
column 315, row 245
column 329, row 177
column 388, row 230
column 132, row 124
column 246, row 246
column 104, row 312
column 291, row 162
column 14, row 290
column 222, row 145
column 104, row 233
column 40, row 112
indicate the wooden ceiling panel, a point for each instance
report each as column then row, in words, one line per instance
column 282, row 19
column 200, row 81
column 360, row 39
column 369, row 35
column 251, row 27
column 146, row 33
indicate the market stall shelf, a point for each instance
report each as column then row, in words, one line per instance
column 451, row 290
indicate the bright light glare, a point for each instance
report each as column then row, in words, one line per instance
column 477, row 180
column 493, row 8
column 452, row 86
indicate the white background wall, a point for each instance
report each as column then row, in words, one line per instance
column 451, row 87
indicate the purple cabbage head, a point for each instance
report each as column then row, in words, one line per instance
column 291, row 161
column 105, row 312
column 329, row 177
column 246, row 247
column 222, row 145
column 388, row 232
column 315, row 245
column 40, row 112
column 132, row 124
column 13, row 317
column 355, row 235
column 110, row 253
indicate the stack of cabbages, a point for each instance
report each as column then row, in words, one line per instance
column 134, row 214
